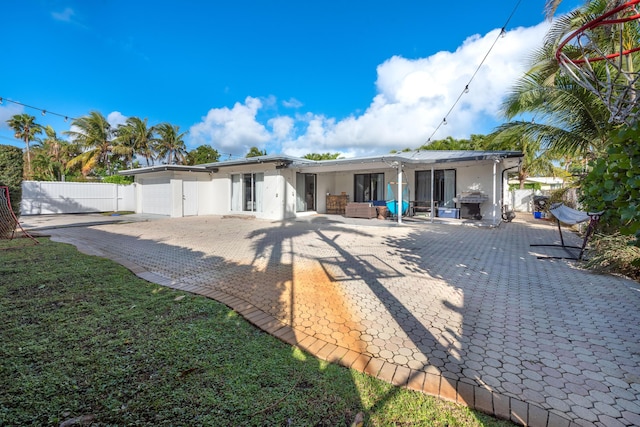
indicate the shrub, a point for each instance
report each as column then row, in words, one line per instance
column 11, row 169
column 613, row 185
column 118, row 179
column 614, row 253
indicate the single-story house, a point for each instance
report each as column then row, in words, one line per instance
column 278, row 186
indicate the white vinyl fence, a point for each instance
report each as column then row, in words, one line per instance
column 41, row 198
column 522, row 200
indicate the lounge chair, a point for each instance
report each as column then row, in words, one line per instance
column 565, row 214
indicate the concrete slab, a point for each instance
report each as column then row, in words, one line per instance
column 471, row 310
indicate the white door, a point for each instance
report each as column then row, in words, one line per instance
column 189, row 197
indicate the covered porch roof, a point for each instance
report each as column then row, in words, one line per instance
column 423, row 157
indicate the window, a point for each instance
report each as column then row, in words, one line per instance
column 444, row 186
column 368, row 186
column 246, row 192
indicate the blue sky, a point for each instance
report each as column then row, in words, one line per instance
column 292, row 77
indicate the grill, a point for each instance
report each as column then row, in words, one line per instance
column 470, row 204
column 472, row 198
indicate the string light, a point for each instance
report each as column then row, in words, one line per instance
column 42, row 111
column 67, row 118
column 502, row 34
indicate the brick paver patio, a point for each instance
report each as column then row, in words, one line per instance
column 465, row 313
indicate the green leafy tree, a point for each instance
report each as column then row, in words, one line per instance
column 170, row 144
column 11, row 171
column 26, row 129
column 475, row 142
column 323, row 156
column 613, row 184
column 256, row 152
column 94, row 135
column 202, row 155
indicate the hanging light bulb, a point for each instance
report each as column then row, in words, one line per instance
column 466, row 89
column 444, row 121
column 0, row 100
column 503, row 33
column 66, row 119
column 44, row 112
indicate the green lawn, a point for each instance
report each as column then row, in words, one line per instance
column 84, row 341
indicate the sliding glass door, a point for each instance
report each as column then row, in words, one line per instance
column 444, row 186
column 368, row 186
column 305, row 192
column 246, row 192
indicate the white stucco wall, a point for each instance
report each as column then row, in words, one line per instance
column 279, row 186
column 278, row 195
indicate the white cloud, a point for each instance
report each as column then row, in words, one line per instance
column 282, row 126
column 232, row 130
column 292, row 103
column 116, row 118
column 7, row 111
column 413, row 97
column 64, row 16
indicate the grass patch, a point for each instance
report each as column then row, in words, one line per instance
column 118, row 213
column 84, row 341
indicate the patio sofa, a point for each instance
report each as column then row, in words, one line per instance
column 360, row 210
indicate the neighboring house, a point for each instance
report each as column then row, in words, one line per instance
column 278, row 187
column 546, row 183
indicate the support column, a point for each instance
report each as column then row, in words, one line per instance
column 433, row 209
column 399, row 194
column 495, row 202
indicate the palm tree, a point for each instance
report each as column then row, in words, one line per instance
column 26, row 129
column 535, row 160
column 94, row 134
column 48, row 162
column 138, row 138
column 552, row 5
column 123, row 144
column 568, row 118
column 170, row 143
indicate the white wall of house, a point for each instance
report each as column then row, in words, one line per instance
column 153, row 193
column 477, row 176
column 278, row 193
column 180, row 193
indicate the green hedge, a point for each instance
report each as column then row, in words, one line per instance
column 613, row 185
column 11, row 167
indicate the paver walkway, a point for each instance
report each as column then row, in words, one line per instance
column 466, row 313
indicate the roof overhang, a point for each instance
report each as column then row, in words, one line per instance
column 280, row 162
column 509, row 159
column 426, row 157
column 164, row 168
